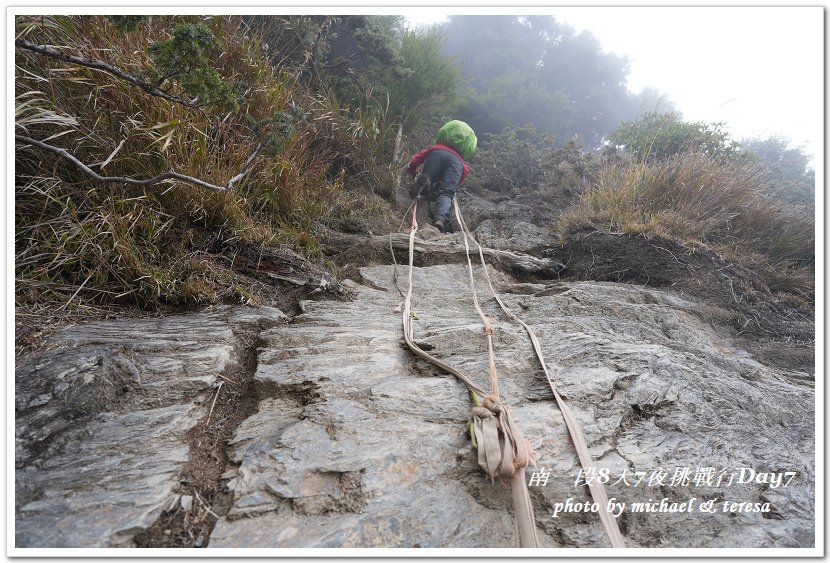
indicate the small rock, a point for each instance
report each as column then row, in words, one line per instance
column 187, row 503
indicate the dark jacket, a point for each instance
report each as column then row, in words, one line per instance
column 419, row 158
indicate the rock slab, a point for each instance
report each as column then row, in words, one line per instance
column 101, row 419
column 358, row 443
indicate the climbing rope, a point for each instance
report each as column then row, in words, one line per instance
column 502, row 450
column 407, row 319
column 596, row 488
column 392, row 250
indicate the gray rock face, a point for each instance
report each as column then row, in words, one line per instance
column 518, row 237
column 352, row 447
column 101, row 419
column 359, row 444
column 521, row 224
column 510, row 215
column 356, row 442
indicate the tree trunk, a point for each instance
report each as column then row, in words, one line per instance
column 441, row 251
column 398, row 142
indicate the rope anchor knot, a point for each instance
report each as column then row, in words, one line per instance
column 502, row 449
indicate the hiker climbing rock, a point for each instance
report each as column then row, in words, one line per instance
column 444, row 168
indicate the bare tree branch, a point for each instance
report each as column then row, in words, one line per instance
column 105, row 67
column 132, row 181
column 232, row 182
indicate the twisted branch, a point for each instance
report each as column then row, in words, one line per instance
column 105, row 67
column 132, row 181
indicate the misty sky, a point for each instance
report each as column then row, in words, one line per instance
column 758, row 69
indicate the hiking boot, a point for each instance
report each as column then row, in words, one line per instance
column 439, row 224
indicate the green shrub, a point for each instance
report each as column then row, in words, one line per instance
column 512, row 160
column 656, row 136
column 187, row 59
column 127, row 23
column 787, row 171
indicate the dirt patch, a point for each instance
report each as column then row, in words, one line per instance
column 303, row 394
column 348, row 498
column 732, row 297
column 190, row 520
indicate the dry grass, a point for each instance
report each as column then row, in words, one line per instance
column 75, row 237
column 701, row 203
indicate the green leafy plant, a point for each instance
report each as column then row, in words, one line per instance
column 127, row 23
column 658, row 136
column 186, row 59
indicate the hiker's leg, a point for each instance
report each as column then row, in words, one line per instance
column 444, row 202
column 449, row 185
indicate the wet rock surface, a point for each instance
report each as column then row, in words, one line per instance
column 355, row 442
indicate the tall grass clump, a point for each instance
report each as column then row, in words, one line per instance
column 702, row 203
column 364, row 139
column 77, row 238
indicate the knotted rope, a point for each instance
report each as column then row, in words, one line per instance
column 501, row 446
column 502, row 449
column 596, row 488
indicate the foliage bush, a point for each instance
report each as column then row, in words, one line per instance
column 571, row 169
column 512, row 160
column 525, row 161
column 787, row 170
column 186, row 58
column 656, row 136
column 127, row 23
column 429, row 81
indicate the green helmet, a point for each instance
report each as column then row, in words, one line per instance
column 458, row 135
